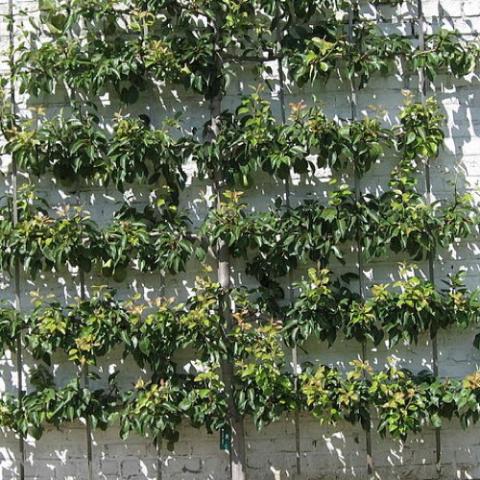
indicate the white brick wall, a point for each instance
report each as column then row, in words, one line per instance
column 326, row 452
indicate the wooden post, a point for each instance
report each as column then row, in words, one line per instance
column 16, row 274
column 422, row 91
column 295, row 366
column 86, row 383
column 84, row 371
column 358, row 193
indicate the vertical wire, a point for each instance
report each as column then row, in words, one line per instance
column 84, row 373
column 16, row 275
column 361, row 287
column 422, row 90
column 158, row 442
column 158, row 439
column 158, row 448
column 86, row 382
column 281, row 95
column 84, row 369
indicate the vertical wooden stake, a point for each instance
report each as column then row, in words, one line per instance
column 86, row 383
column 281, row 94
column 422, row 90
column 158, row 447
column 361, row 288
column 158, row 442
column 16, row 274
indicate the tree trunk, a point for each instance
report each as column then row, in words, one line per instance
column 237, row 447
